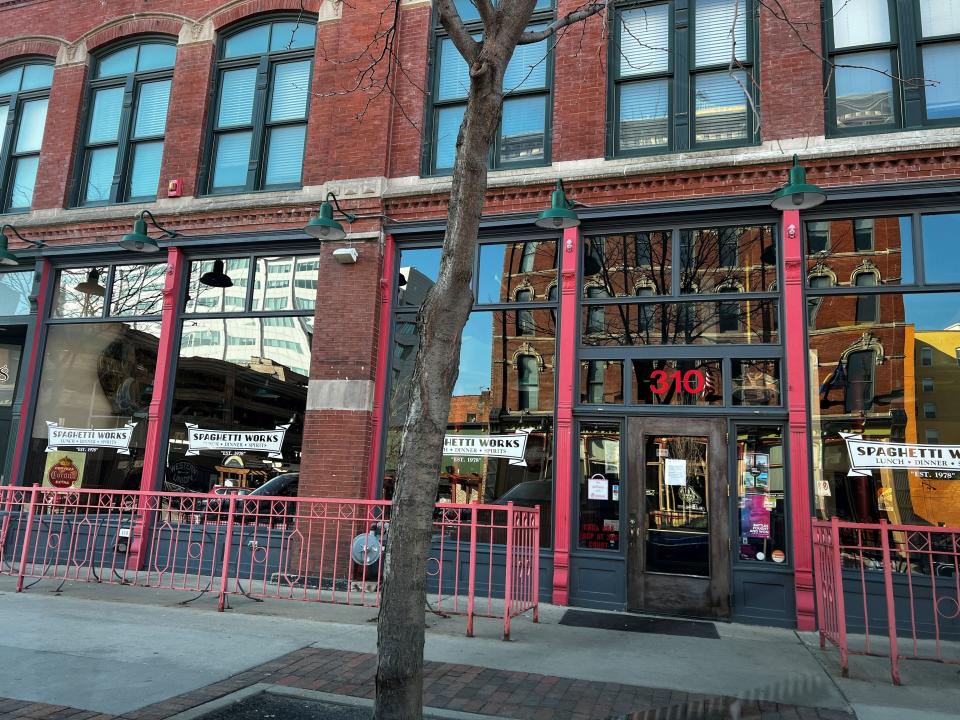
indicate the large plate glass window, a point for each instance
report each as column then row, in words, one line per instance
column 524, row 135
column 652, row 84
column 874, row 46
column 259, row 118
column 884, row 377
column 240, row 388
column 24, row 94
column 96, row 377
column 505, row 387
column 129, row 95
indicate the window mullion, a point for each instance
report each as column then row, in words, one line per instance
column 123, row 140
column 257, row 140
column 682, row 89
column 6, row 152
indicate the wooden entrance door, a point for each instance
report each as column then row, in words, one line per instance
column 679, row 554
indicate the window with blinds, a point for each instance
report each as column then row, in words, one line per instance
column 259, row 123
column 123, row 137
column 523, row 139
column 681, row 82
column 874, row 43
column 24, row 92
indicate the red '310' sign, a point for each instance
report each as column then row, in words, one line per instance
column 691, row 381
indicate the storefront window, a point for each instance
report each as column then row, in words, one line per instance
column 860, row 251
column 601, row 382
column 499, row 443
column 622, row 263
column 886, row 409
column 240, row 389
column 940, row 234
column 678, row 382
column 15, row 288
column 756, row 382
column 600, row 478
column 761, row 494
column 721, row 259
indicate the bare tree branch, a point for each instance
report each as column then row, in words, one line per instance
column 576, row 16
column 463, row 40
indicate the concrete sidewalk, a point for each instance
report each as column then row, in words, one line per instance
column 115, row 650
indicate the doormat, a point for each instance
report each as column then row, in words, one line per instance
column 640, row 623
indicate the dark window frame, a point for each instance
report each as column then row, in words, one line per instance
column 681, row 77
column 8, row 155
column 125, row 143
column 260, row 125
column 906, row 61
column 428, row 166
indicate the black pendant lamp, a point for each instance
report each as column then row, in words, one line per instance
column 92, row 286
column 217, row 277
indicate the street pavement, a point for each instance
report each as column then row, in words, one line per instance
column 98, row 651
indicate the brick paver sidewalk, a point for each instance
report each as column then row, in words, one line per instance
column 456, row 687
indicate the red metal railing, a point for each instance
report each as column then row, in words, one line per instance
column 890, row 581
column 484, row 559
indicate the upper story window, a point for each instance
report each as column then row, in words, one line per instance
column 127, row 117
column 524, row 135
column 879, row 50
column 24, row 93
column 666, row 99
column 259, row 118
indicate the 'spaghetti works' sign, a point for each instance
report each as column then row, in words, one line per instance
column 267, row 441
column 869, row 455
column 513, row 447
column 113, row 438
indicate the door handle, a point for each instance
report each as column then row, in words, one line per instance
column 634, row 528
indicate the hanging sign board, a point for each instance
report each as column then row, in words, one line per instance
column 513, row 447
column 265, row 441
column 597, row 487
column 868, row 455
column 113, row 438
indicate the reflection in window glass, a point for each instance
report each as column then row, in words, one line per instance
column 940, row 233
column 15, row 288
column 238, row 375
column 202, row 297
column 681, row 323
column 712, row 260
column 95, row 376
column 761, row 494
column 419, row 269
column 756, row 382
column 79, row 293
column 721, row 107
column 137, row 289
column 601, row 382
column 880, row 245
column 867, row 383
column 505, row 267
column 600, row 479
column 623, row 263
column 864, row 90
column 693, row 382
column 505, row 386
column 292, row 280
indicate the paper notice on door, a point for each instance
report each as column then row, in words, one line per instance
column 675, row 471
column 597, row 488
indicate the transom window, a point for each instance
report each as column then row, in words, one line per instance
column 893, row 64
column 524, row 136
column 259, row 119
column 24, row 93
column 123, row 139
column 656, row 87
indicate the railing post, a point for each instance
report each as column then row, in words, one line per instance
column 227, row 546
column 508, row 574
column 891, row 607
column 838, row 596
column 472, row 578
column 536, row 565
column 26, row 537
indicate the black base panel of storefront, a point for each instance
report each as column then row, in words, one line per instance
column 640, row 623
column 921, row 620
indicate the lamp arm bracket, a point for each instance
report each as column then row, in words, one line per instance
column 35, row 243
column 158, row 226
column 349, row 216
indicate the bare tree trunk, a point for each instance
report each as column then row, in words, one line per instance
column 445, row 311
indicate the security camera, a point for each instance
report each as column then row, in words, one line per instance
column 345, row 256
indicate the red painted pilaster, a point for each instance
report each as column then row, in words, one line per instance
column 163, row 386
column 562, row 476
column 795, row 313
column 380, row 403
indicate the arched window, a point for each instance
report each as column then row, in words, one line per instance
column 127, row 118
column 24, row 92
column 868, row 306
column 860, row 372
column 528, row 382
column 259, row 119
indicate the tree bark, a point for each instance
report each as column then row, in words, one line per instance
column 401, row 624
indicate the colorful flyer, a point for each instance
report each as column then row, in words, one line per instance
column 64, row 470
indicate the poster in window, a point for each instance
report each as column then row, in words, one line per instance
column 64, row 470
column 9, row 365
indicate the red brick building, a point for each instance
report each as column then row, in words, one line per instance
column 683, row 297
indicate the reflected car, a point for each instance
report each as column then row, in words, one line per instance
column 262, row 512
